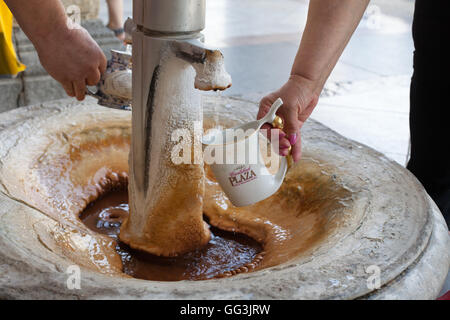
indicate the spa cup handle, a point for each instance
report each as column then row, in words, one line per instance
column 285, row 162
column 114, row 88
column 279, row 124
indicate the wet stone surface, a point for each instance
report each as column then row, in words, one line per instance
column 226, row 254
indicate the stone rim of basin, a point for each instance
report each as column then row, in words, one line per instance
column 392, row 237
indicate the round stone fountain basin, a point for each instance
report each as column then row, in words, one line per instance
column 360, row 212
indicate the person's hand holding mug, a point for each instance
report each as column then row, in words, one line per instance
column 72, row 58
column 299, row 100
column 65, row 49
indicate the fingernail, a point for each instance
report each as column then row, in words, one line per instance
column 282, row 134
column 293, row 138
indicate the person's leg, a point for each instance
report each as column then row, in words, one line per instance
column 429, row 107
column 430, row 140
column 115, row 12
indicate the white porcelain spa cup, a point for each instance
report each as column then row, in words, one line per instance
column 244, row 163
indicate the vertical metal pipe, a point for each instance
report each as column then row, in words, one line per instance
column 173, row 16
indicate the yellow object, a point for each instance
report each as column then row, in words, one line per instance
column 279, row 124
column 9, row 65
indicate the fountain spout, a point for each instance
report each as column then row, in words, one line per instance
column 169, row 62
column 208, row 64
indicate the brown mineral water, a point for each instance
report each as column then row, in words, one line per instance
column 227, row 253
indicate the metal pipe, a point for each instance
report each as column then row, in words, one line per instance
column 169, row 62
column 170, row 16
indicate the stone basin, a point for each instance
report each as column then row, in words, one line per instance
column 57, row 157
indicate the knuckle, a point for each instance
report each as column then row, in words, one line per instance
column 292, row 125
column 77, row 77
column 93, row 76
column 91, row 68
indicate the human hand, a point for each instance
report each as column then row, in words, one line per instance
column 72, row 58
column 299, row 100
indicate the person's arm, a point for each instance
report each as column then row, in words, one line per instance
column 329, row 27
column 65, row 49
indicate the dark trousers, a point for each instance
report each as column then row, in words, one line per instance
column 430, row 101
